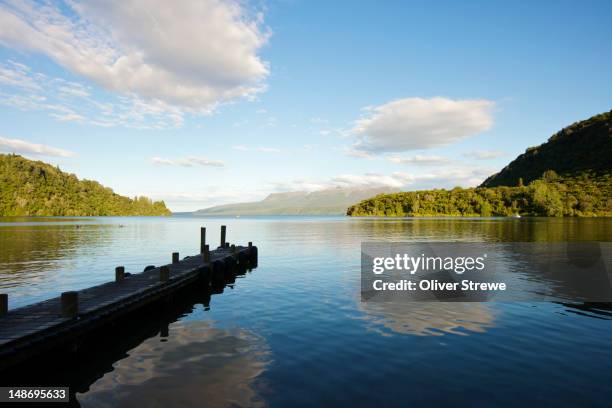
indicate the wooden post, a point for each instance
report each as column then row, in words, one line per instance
column 253, row 256
column 250, row 244
column 223, row 232
column 3, row 304
column 206, row 254
column 202, row 239
column 164, row 331
column 175, row 257
column 70, row 303
column 233, row 249
column 164, row 273
column 119, row 273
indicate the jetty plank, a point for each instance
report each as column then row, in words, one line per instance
column 35, row 328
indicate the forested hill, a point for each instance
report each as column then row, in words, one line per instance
column 583, row 146
column 570, row 175
column 586, row 195
column 30, row 188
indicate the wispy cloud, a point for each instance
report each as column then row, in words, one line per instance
column 268, row 149
column 420, row 160
column 261, row 149
column 484, row 154
column 368, row 180
column 360, row 154
column 24, row 147
column 418, row 123
column 69, row 101
column 19, row 75
column 442, row 178
column 74, row 89
column 188, row 162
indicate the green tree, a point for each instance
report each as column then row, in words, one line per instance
column 34, row 188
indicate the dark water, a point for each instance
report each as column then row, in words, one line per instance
column 294, row 332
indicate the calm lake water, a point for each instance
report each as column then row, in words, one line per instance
column 293, row 332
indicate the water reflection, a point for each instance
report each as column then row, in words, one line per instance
column 27, row 250
column 197, row 364
column 428, row 319
column 166, row 354
column 596, row 310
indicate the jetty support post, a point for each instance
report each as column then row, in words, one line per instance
column 164, row 273
column 202, row 239
column 206, row 254
column 119, row 273
column 3, row 304
column 253, row 255
column 223, row 235
column 70, row 304
column 175, row 257
column 218, row 272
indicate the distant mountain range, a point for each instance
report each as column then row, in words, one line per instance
column 333, row 201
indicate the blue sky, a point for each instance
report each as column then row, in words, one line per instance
column 209, row 102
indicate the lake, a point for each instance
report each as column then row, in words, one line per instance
column 294, row 332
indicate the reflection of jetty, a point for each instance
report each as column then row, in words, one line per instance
column 31, row 330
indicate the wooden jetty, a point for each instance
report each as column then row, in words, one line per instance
column 31, row 330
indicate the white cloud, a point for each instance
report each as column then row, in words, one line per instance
column 417, row 123
column 367, row 180
column 137, row 48
column 484, row 154
column 187, row 162
column 68, row 117
column 360, row 154
column 396, row 180
column 268, row 149
column 24, row 147
column 74, row 89
column 420, row 160
column 443, row 178
column 451, row 177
